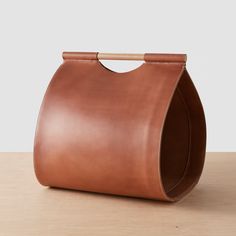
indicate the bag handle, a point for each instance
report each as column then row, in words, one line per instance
column 147, row 57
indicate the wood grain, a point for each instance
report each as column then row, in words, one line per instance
column 27, row 208
column 120, row 56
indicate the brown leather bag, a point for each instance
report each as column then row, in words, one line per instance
column 140, row 133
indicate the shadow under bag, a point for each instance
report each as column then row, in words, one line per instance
column 140, row 133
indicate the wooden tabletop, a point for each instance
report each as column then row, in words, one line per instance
column 27, row 208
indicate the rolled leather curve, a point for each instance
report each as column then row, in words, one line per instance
column 140, row 133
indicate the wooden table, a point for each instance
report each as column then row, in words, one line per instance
column 27, row 208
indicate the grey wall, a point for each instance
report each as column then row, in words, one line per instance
column 33, row 35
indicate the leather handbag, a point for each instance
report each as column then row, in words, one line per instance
column 140, row 133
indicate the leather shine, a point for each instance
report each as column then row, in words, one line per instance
column 140, row 133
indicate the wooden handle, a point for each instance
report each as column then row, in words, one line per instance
column 121, row 56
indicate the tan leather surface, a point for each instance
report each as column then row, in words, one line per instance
column 140, row 133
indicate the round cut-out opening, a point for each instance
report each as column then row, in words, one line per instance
column 121, row 66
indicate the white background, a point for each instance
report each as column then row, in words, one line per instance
column 33, row 35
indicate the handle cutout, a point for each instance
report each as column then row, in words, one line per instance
column 121, row 66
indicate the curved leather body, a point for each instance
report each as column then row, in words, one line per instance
column 140, row 133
